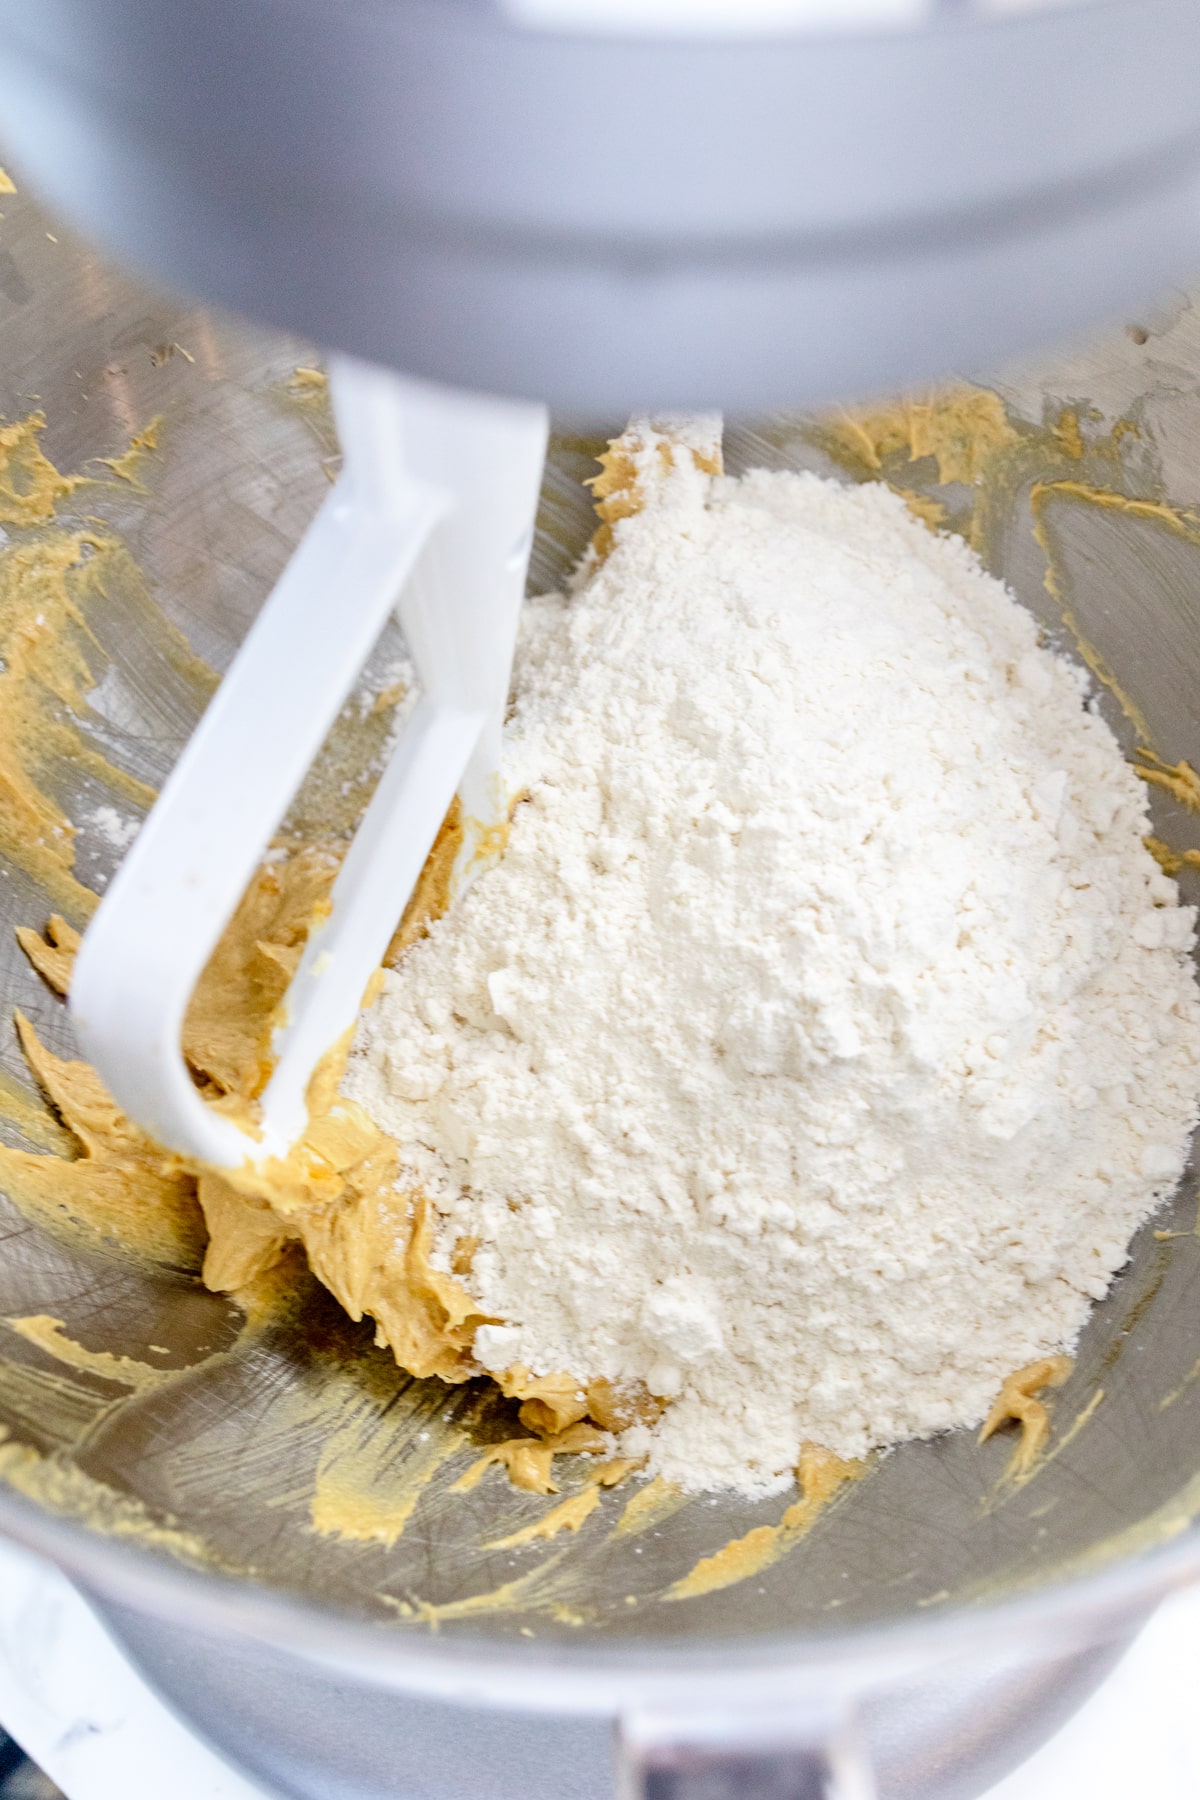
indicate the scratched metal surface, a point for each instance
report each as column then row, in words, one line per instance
column 240, row 471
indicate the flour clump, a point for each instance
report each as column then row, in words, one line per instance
column 825, row 1030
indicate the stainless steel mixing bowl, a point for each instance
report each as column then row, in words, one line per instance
column 189, row 1501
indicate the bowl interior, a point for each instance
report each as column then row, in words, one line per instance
column 282, row 1446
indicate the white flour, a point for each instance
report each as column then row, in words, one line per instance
column 116, row 831
column 826, row 1029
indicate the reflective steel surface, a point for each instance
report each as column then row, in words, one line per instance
column 224, row 1457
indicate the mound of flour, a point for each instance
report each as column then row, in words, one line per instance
column 826, row 1029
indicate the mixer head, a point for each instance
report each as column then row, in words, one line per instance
column 679, row 203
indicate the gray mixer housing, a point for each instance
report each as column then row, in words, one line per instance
column 614, row 222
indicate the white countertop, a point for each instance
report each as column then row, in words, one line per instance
column 75, row 1704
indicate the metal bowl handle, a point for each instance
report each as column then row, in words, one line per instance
column 806, row 1752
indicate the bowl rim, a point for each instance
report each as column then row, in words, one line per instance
column 1062, row 1615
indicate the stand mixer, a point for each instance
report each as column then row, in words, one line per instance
column 596, row 209
column 379, row 177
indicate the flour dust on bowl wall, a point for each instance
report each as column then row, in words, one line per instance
column 774, row 1112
